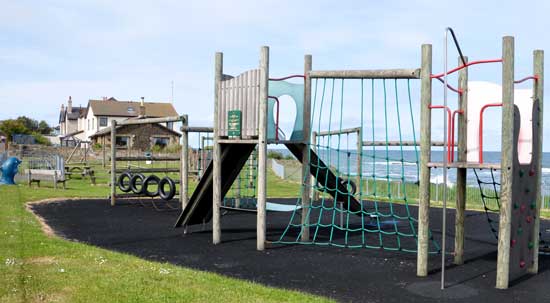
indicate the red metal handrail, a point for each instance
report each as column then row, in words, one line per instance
column 287, row 77
column 481, row 128
column 535, row 78
column 465, row 65
column 456, row 90
column 448, row 128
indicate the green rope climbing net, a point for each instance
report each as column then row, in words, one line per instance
column 381, row 178
column 243, row 191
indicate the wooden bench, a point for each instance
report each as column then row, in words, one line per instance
column 37, row 175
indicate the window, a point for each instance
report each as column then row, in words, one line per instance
column 102, row 121
column 161, row 141
column 170, row 125
column 122, row 141
column 89, row 124
column 131, row 110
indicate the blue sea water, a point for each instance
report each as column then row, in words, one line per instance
column 395, row 164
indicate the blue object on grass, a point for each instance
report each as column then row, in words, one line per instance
column 9, row 170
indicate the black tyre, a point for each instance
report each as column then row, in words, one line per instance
column 151, row 179
column 164, row 195
column 136, row 183
column 124, row 185
column 350, row 186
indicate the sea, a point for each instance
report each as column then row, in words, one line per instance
column 394, row 164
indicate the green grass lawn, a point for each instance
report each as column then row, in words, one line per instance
column 40, row 268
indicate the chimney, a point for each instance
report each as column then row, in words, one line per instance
column 70, row 105
column 142, row 107
column 62, row 107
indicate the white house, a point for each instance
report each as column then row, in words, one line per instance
column 83, row 123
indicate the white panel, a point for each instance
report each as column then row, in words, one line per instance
column 481, row 93
column 241, row 93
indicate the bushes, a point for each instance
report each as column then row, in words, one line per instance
column 275, row 155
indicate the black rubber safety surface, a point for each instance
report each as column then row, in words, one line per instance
column 358, row 275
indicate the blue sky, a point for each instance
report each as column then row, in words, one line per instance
column 128, row 49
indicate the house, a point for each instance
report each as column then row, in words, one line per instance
column 138, row 136
column 94, row 122
column 100, row 113
column 70, row 118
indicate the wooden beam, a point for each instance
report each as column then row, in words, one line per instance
column 113, row 162
column 425, row 154
column 148, row 170
column 143, row 158
column 197, row 129
column 506, row 176
column 467, row 165
column 461, row 173
column 538, row 94
column 400, row 143
column 216, row 155
column 184, row 164
column 262, row 150
column 306, row 176
column 337, row 132
column 367, row 74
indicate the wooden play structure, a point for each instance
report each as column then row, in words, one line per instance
column 355, row 137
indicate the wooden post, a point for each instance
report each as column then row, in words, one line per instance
column 55, row 179
column 113, row 162
column 184, row 162
column 461, row 172
column 262, row 150
column 306, row 176
column 425, row 154
column 314, row 192
column 238, row 191
column 538, row 93
column 506, row 177
column 103, row 151
column 216, row 155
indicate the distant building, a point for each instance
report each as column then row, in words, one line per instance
column 138, row 136
column 70, row 118
column 93, row 122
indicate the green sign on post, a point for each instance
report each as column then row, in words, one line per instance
column 234, row 123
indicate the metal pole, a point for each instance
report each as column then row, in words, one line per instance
column 425, row 141
column 506, row 177
column 359, row 161
column 262, row 150
column 216, row 155
column 445, row 152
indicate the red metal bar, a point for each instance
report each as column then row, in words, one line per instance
column 481, row 128
column 535, row 78
column 287, row 77
column 458, row 111
column 276, row 117
column 466, row 65
column 448, row 128
column 456, row 90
